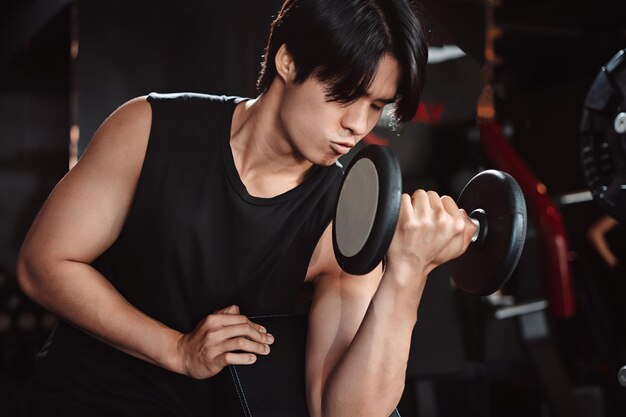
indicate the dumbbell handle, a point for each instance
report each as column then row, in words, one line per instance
column 477, row 232
column 479, row 218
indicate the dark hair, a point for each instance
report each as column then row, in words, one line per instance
column 341, row 43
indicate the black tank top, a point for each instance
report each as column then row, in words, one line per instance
column 194, row 241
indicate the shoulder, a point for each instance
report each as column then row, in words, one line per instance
column 134, row 111
column 193, row 109
column 124, row 133
column 189, row 99
column 129, row 127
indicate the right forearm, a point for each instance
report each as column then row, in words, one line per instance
column 370, row 374
column 78, row 293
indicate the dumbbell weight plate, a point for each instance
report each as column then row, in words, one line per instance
column 603, row 137
column 367, row 209
column 489, row 262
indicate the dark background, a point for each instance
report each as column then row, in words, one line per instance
column 548, row 54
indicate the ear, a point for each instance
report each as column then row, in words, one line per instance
column 285, row 67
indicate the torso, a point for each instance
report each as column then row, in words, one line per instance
column 270, row 184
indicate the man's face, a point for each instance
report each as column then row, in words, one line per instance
column 321, row 131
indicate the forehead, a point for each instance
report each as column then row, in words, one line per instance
column 386, row 79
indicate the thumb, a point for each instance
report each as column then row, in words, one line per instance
column 470, row 229
column 232, row 309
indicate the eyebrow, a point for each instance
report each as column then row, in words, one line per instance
column 384, row 100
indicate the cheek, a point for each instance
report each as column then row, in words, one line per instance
column 307, row 120
column 296, row 118
column 373, row 120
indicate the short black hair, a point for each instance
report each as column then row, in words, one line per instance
column 341, row 43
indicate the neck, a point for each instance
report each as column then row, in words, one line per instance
column 267, row 162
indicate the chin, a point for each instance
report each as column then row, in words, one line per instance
column 328, row 163
column 321, row 159
column 325, row 160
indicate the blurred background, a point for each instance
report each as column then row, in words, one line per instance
column 506, row 87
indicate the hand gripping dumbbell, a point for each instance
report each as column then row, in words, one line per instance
column 367, row 212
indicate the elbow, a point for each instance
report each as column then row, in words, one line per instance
column 380, row 403
column 27, row 277
column 314, row 400
column 23, row 275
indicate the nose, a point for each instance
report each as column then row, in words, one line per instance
column 355, row 119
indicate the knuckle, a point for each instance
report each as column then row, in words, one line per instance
column 208, row 354
column 410, row 225
column 405, row 204
column 251, row 330
column 240, row 342
column 209, row 337
column 209, row 321
column 419, row 192
column 447, row 200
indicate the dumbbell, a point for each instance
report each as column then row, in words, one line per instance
column 368, row 206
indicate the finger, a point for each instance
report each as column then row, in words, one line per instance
column 241, row 344
column 471, row 227
column 215, row 321
column 461, row 221
column 420, row 202
column 233, row 309
column 230, row 358
column 245, row 330
column 406, row 208
column 450, row 206
column 435, row 202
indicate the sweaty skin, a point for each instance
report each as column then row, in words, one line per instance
column 359, row 327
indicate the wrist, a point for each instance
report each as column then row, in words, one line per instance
column 171, row 356
column 407, row 272
column 404, row 283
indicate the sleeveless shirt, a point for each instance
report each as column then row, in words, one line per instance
column 194, row 241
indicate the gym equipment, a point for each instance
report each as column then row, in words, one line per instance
column 603, row 143
column 367, row 209
column 367, row 213
column 621, row 376
column 496, row 204
column 603, row 137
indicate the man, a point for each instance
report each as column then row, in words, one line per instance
column 188, row 213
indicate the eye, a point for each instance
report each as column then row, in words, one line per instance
column 376, row 107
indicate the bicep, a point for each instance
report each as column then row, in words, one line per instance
column 85, row 212
column 340, row 302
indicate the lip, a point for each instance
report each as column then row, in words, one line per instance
column 341, row 148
